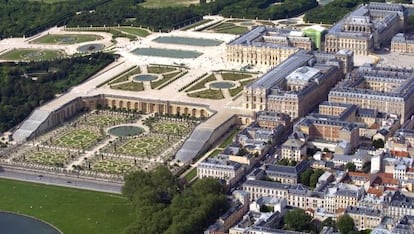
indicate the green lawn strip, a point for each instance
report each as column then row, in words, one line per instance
column 229, row 139
column 131, row 86
column 135, row 31
column 238, row 89
column 160, row 69
column 233, row 30
column 204, row 21
column 125, row 76
column 214, row 153
column 223, row 26
column 201, row 83
column 21, row 54
column 234, row 76
column 166, row 78
column 208, row 93
column 59, row 39
column 265, row 22
column 172, row 80
column 70, row 210
column 165, row 3
column 193, row 173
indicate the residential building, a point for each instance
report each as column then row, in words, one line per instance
column 364, row 218
column 220, row 168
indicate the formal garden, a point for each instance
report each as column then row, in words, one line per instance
column 31, row 54
column 106, row 143
column 66, row 39
column 219, row 85
column 156, row 77
column 46, row 156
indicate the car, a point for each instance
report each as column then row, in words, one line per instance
column 69, row 182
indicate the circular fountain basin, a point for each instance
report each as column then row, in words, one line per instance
column 146, row 77
column 126, row 130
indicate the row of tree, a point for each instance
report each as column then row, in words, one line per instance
column 27, row 17
column 299, row 220
column 333, row 11
column 24, row 86
column 162, row 206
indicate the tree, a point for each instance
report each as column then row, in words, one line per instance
column 297, row 220
column 305, row 176
column 378, row 143
column 345, row 224
column 314, row 177
column 328, row 222
column 283, row 162
column 350, row 167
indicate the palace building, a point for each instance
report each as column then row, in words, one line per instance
column 385, row 89
column 267, row 46
column 297, row 85
column 366, row 28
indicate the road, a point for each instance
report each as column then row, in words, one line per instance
column 60, row 180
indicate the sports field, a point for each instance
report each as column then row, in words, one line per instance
column 66, row 38
column 72, row 211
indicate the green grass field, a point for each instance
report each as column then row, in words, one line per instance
column 66, row 39
column 130, row 86
column 72, row 211
column 167, row 3
column 208, row 93
column 191, row 174
column 134, row 31
column 31, row 54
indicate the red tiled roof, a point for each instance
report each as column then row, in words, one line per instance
column 385, row 178
column 400, row 154
column 376, row 192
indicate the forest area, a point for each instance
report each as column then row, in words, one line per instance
column 24, row 17
column 25, row 86
column 162, row 205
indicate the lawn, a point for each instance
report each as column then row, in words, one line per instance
column 191, row 174
column 229, row 139
column 214, row 153
column 131, row 86
column 31, row 54
column 167, row 3
column 232, row 30
column 160, row 69
column 204, row 21
column 66, row 38
column 72, row 211
column 166, row 78
column 201, row 84
column 208, row 93
column 125, row 76
column 238, row 89
column 234, row 76
column 134, row 31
